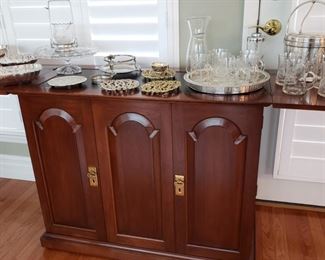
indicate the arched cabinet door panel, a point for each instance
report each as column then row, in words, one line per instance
column 211, row 153
column 62, row 147
column 134, row 142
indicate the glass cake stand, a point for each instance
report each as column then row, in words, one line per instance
column 68, row 68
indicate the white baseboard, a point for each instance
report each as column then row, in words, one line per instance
column 308, row 193
column 16, row 167
column 13, row 136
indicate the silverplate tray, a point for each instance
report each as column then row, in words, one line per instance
column 19, row 74
column 66, row 81
column 206, row 87
column 17, row 60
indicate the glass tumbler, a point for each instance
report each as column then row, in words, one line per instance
column 321, row 88
column 280, row 75
column 63, row 34
column 295, row 79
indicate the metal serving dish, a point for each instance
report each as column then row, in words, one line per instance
column 307, row 45
column 20, row 74
column 204, row 87
column 17, row 60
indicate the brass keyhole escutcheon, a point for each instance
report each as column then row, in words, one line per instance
column 92, row 176
column 179, row 185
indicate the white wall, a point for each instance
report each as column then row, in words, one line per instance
column 270, row 9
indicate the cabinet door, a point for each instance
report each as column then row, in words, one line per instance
column 62, row 145
column 134, row 146
column 216, row 149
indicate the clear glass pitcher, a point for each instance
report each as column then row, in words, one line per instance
column 197, row 46
column 63, row 33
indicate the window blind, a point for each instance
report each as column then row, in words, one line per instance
column 127, row 26
column 30, row 24
column 301, row 146
column 137, row 27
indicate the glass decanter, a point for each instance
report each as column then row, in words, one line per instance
column 197, row 46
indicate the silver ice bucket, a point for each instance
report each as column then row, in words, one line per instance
column 310, row 46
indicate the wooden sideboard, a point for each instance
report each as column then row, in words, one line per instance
column 138, row 177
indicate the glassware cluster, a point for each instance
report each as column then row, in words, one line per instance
column 297, row 73
column 218, row 67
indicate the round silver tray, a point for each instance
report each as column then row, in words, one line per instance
column 263, row 78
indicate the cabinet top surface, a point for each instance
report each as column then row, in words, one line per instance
column 269, row 95
column 40, row 87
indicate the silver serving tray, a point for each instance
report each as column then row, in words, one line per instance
column 66, row 81
column 17, row 60
column 19, row 74
column 263, row 78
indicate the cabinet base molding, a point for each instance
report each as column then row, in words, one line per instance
column 103, row 249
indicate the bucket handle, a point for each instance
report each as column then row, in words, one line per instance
column 313, row 2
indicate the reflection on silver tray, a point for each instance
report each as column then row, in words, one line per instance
column 204, row 87
column 66, row 81
column 20, row 74
column 17, row 60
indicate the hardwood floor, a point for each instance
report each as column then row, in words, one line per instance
column 281, row 234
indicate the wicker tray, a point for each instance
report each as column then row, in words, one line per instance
column 161, row 88
column 120, row 87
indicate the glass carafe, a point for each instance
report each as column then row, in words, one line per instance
column 197, row 46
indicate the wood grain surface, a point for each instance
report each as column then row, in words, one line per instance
column 281, row 234
column 269, row 95
column 289, row 234
column 262, row 97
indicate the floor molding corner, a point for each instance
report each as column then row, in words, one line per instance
column 16, row 167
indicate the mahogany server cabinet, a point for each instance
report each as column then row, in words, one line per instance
column 127, row 178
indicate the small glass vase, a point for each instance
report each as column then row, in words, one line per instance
column 197, row 46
